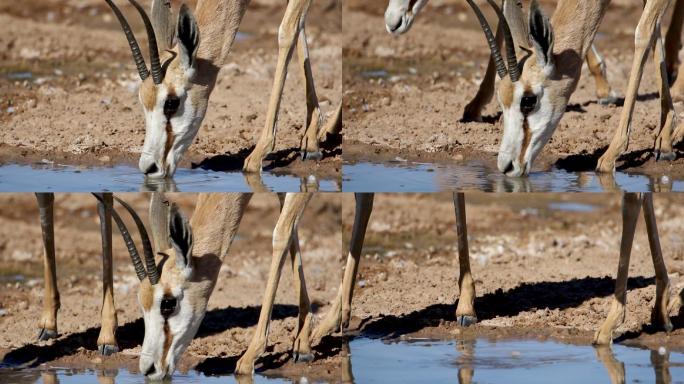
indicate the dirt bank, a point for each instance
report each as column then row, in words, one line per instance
column 68, row 86
column 408, row 92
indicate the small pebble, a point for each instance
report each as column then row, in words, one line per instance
column 662, row 351
column 10, row 110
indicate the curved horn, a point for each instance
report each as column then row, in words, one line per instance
column 152, row 271
column 130, row 244
column 135, row 48
column 491, row 40
column 155, row 65
column 513, row 69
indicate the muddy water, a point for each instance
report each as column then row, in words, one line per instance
column 465, row 361
column 408, row 176
column 126, row 178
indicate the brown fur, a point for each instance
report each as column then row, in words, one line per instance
column 148, row 94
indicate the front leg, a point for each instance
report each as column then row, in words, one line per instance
column 465, row 311
column 51, row 303
column 644, row 38
column 309, row 144
column 106, row 341
column 293, row 207
column 339, row 315
column 631, row 205
column 597, row 68
column 287, row 36
column 659, row 315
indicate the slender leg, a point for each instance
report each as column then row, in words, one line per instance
column 106, row 341
column 645, row 34
column 314, row 119
column 465, row 311
column 615, row 367
column 661, row 366
column 334, row 124
column 51, row 303
column 631, row 205
column 597, row 67
column 287, row 35
column 301, row 349
column 339, row 315
column 473, row 111
column 659, row 316
column 293, row 207
column 673, row 41
column 668, row 118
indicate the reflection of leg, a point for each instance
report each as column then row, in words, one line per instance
column 465, row 311
column 106, row 341
column 615, row 368
column 661, row 366
column 51, row 303
column 293, row 207
column 466, row 349
column 659, row 315
column 597, row 68
column 631, row 205
column 347, row 373
column 339, row 315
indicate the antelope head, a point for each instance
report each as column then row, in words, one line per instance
column 172, row 115
column 400, row 14
column 173, row 301
column 532, row 93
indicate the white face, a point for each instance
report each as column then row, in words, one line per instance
column 400, row 14
column 170, row 325
column 528, row 123
column 171, row 124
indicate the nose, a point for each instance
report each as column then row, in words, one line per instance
column 152, row 168
column 151, row 370
column 393, row 20
column 508, row 167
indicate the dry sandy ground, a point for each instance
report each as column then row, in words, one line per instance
column 434, row 69
column 81, row 103
column 233, row 308
column 540, row 272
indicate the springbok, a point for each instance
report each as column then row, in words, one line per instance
column 339, row 315
column 176, row 285
column 399, row 17
column 175, row 89
column 534, row 92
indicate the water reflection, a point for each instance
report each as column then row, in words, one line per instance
column 124, row 178
column 407, row 176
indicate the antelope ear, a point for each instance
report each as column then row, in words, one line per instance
column 180, row 237
column 188, row 37
column 541, row 35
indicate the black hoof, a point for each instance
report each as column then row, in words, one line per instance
column 466, row 321
column 46, row 334
column 107, row 349
column 610, row 100
column 303, row 357
column 306, row 155
column 665, row 156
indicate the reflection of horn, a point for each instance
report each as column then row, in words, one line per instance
column 615, row 368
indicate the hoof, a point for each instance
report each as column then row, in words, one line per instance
column 46, row 334
column 465, row 320
column 306, row 155
column 665, row 156
column 610, row 100
column 303, row 357
column 107, row 349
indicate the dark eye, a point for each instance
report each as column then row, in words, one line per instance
column 527, row 104
column 171, row 106
column 168, row 306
